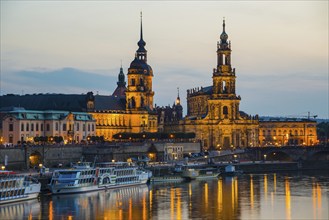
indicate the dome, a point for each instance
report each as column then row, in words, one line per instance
column 141, row 67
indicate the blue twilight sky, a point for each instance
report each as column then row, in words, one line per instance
column 279, row 49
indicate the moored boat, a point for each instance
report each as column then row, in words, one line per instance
column 171, row 178
column 231, row 171
column 103, row 176
column 190, row 174
column 207, row 174
column 14, row 188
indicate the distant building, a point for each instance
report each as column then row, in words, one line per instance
column 287, row 131
column 213, row 112
column 169, row 116
column 20, row 125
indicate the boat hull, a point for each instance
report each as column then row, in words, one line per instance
column 83, row 189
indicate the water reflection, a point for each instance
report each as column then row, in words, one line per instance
column 257, row 196
column 21, row 210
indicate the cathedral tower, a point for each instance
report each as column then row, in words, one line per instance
column 139, row 94
column 224, row 81
column 213, row 112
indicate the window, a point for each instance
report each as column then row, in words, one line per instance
column 27, row 126
column 32, row 127
column 88, row 127
column 225, row 110
column 41, row 127
column 11, row 127
column 78, row 127
column 48, row 127
column 64, row 127
column 84, row 127
column 37, row 126
column 56, row 126
column 92, row 127
column 22, row 127
column 132, row 82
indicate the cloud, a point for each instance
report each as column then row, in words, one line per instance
column 65, row 80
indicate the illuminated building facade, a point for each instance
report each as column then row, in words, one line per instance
column 133, row 110
column 213, row 112
column 21, row 125
column 284, row 131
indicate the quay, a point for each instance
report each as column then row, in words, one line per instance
column 165, row 169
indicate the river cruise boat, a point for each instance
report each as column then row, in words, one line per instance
column 14, row 188
column 102, row 176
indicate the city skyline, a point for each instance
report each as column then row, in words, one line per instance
column 279, row 49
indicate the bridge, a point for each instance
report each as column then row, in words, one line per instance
column 286, row 153
column 289, row 153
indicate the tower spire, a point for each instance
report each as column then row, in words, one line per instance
column 141, row 52
column 223, row 37
column 178, row 99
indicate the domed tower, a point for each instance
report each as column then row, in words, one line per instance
column 121, row 89
column 224, row 80
column 139, row 93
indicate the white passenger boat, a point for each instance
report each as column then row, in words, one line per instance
column 14, row 188
column 103, row 176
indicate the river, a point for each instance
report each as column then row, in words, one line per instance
column 249, row 196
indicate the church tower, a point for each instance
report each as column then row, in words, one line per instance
column 120, row 91
column 224, row 81
column 139, row 94
column 213, row 112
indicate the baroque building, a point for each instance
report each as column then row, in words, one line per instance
column 213, row 112
column 133, row 111
column 287, row 132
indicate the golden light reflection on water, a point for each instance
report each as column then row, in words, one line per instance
column 240, row 197
column 251, row 192
column 220, row 195
column 316, row 200
column 265, row 187
column 206, row 195
column 287, row 198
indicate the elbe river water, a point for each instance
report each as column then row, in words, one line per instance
column 249, row 196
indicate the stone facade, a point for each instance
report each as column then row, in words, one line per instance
column 23, row 125
column 138, row 114
column 285, row 131
column 213, row 112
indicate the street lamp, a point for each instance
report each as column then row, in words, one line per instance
column 265, row 157
column 3, row 167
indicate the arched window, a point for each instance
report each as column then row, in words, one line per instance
column 133, row 102
column 225, row 111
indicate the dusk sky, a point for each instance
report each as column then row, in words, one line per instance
column 279, row 49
